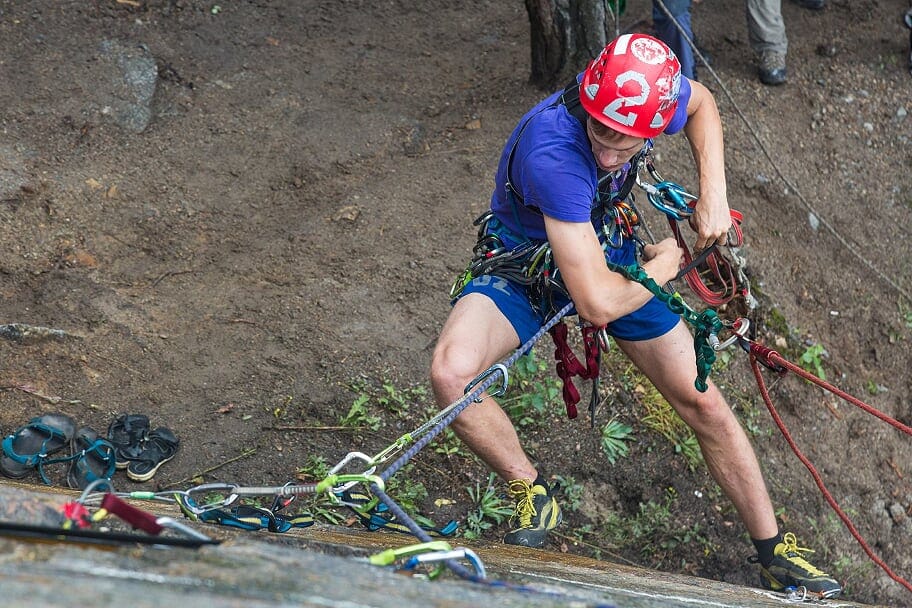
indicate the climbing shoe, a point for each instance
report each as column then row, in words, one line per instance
column 536, row 513
column 790, row 569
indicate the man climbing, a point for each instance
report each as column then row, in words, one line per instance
column 559, row 192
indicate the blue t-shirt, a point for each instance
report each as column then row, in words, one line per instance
column 553, row 168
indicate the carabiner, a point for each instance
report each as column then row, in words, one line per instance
column 389, row 556
column 330, row 483
column 739, row 331
column 348, row 458
column 228, row 489
column 480, row 377
column 393, row 448
column 442, row 556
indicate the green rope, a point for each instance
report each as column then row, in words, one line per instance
column 705, row 324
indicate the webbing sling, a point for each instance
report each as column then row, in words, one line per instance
column 569, row 366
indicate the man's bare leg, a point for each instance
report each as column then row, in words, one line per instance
column 476, row 336
column 670, row 363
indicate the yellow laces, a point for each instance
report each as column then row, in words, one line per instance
column 793, row 553
column 521, row 489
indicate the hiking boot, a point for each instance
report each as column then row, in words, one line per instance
column 772, row 68
column 536, row 513
column 790, row 569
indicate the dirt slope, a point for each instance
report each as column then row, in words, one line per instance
column 272, row 206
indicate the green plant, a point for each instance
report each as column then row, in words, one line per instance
column 322, row 506
column 748, row 414
column 874, row 389
column 408, row 492
column 615, row 436
column 398, row 400
column 387, row 395
column 489, row 509
column 449, row 444
column 659, row 415
column 533, row 389
column 652, row 531
column 811, row 360
column 359, row 414
column 571, row 492
column 315, row 468
column 777, row 323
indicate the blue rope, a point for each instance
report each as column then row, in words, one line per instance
column 458, row 406
column 470, row 397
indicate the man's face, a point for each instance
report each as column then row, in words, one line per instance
column 611, row 149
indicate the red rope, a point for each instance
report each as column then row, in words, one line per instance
column 714, row 281
column 771, row 356
column 776, row 360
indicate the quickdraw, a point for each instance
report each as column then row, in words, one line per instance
column 375, row 515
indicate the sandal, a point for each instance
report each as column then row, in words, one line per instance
column 160, row 447
column 93, row 459
column 128, row 433
column 29, row 447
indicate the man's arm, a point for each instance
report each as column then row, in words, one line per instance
column 711, row 218
column 600, row 295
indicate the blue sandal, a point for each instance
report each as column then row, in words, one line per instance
column 93, row 458
column 31, row 445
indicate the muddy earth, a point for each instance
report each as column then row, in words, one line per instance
column 243, row 219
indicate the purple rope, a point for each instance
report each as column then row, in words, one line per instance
column 470, row 397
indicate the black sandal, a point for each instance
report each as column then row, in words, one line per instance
column 160, row 447
column 128, row 433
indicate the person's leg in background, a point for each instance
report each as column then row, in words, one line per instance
column 668, row 32
column 766, row 35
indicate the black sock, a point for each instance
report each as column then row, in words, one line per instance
column 765, row 549
column 540, row 481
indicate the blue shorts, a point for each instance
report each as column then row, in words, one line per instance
column 651, row 320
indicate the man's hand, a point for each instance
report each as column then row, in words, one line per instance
column 711, row 220
column 662, row 260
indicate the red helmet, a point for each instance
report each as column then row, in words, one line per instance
column 633, row 85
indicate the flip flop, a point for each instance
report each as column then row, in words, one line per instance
column 93, row 459
column 29, row 447
column 160, row 447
